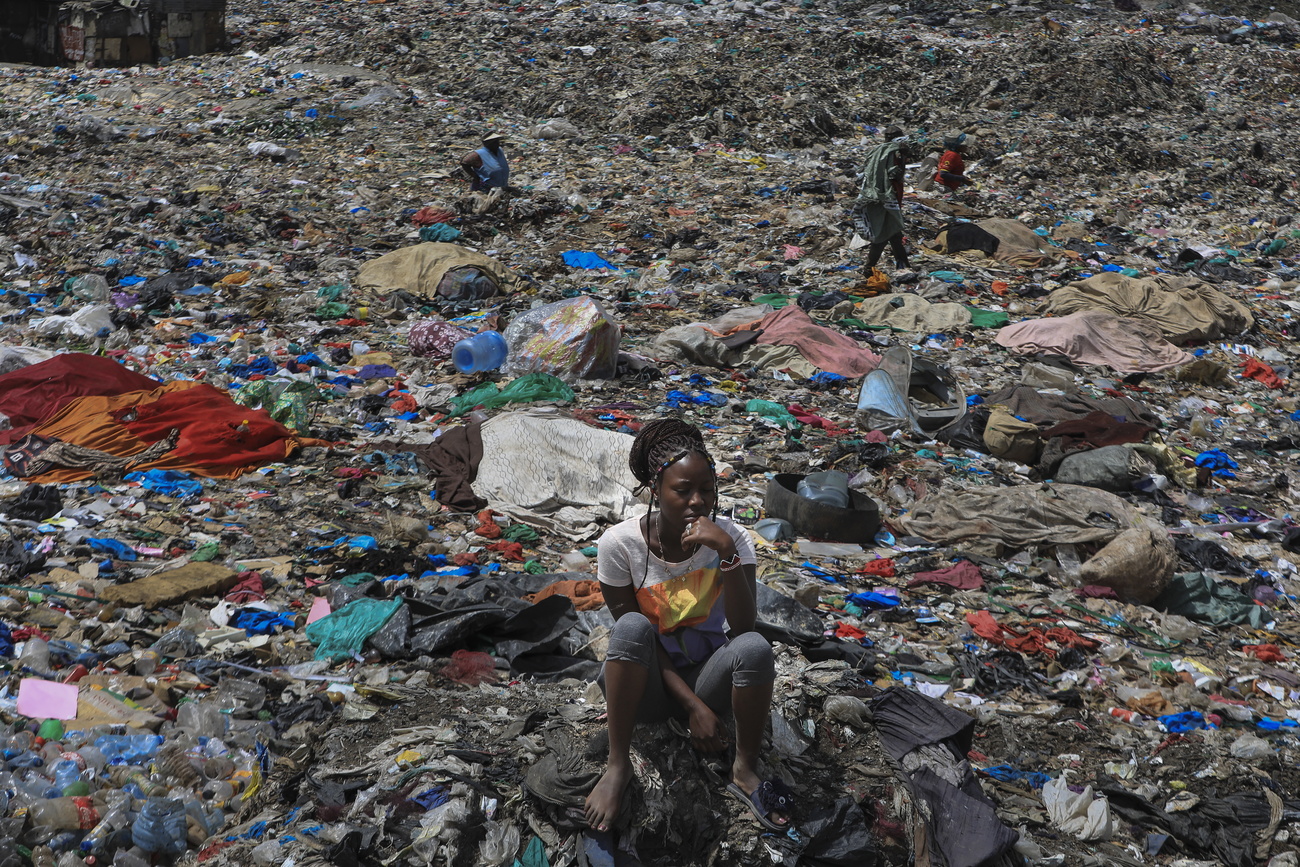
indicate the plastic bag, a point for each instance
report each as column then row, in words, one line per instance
column 341, row 634
column 1080, row 814
column 571, row 339
column 525, row 389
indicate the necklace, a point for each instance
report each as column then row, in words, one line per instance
column 663, row 552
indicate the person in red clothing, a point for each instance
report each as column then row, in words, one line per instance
column 952, row 168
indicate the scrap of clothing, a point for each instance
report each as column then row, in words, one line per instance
column 1033, row 641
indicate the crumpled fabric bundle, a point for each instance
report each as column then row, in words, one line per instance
column 434, row 338
column 987, row 520
column 1182, row 309
column 1092, row 337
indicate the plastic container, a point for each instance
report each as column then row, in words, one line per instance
column 830, row 488
column 160, row 827
column 575, row 561
column 485, row 351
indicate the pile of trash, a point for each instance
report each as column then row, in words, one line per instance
column 306, row 448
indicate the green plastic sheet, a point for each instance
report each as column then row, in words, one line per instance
column 981, row 318
column 341, row 634
column 1198, row 596
column 534, row 855
column 774, row 411
column 529, row 388
column 776, row 300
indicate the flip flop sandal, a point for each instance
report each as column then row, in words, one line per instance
column 771, row 796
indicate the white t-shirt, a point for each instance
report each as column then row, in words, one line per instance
column 683, row 600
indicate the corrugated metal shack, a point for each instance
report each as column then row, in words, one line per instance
column 109, row 32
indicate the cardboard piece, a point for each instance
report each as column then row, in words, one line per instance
column 320, row 607
column 175, row 585
column 45, row 699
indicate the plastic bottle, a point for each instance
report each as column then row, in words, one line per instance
column 201, row 719
column 830, row 488
column 484, row 351
column 35, row 655
column 131, row 857
column 160, row 827
column 130, row 749
column 42, row 856
column 63, row 814
column 113, row 820
column 1128, row 716
column 66, row 772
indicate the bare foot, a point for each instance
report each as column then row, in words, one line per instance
column 745, row 777
column 603, row 802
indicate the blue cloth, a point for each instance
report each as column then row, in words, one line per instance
column 495, row 171
column 169, row 483
column 254, row 621
column 439, row 232
column 1008, row 774
column 6, row 640
column 873, row 601
column 112, row 546
column 377, row 371
column 1177, row 723
column 1219, row 463
column 263, row 366
column 590, row 261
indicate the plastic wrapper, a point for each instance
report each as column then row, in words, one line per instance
column 571, row 339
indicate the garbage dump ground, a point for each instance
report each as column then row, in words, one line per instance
column 282, row 585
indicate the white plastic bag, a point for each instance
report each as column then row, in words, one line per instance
column 1078, row 813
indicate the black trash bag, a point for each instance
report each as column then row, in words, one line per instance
column 1207, row 556
column 393, row 637
column 962, row 822
column 775, row 609
column 820, row 301
column 537, row 629
column 17, row 562
column 36, row 503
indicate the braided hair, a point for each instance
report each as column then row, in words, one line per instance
column 660, row 444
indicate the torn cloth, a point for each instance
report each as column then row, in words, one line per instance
column 823, row 347
column 962, row 575
column 1046, row 410
column 928, row 742
column 554, row 472
column 1031, row 641
column 1183, row 309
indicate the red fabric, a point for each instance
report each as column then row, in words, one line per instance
column 809, row 418
column 487, row 528
column 508, row 550
column 217, row 437
column 1255, row 369
column 882, row 568
column 1266, row 652
column 827, row 349
column 1096, row 591
column 249, row 589
column 852, row 633
column 963, row 575
column 1036, row 640
column 951, row 161
column 471, row 668
column 32, row 394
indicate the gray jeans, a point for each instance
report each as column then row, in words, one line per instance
column 744, row 661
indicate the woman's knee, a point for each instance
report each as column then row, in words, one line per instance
column 755, row 663
column 632, row 639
